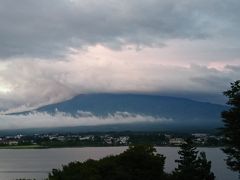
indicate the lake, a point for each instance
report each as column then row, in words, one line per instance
column 36, row 163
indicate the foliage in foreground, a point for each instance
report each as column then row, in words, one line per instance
column 137, row 163
column 191, row 166
column 231, row 130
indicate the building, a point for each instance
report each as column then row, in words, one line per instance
column 176, row 141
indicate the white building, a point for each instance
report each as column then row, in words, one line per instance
column 177, row 141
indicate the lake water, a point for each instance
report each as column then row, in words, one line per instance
column 36, row 163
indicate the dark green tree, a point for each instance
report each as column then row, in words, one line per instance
column 142, row 162
column 204, row 168
column 137, row 163
column 231, row 130
column 190, row 165
column 187, row 163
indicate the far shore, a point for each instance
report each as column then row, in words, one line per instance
column 58, row 147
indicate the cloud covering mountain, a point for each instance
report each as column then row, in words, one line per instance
column 131, row 110
column 53, row 50
column 61, row 119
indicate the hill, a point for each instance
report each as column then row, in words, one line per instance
column 183, row 112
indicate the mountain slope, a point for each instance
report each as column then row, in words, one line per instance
column 182, row 111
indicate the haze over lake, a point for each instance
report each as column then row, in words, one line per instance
column 36, row 163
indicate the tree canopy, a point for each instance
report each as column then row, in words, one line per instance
column 137, row 163
column 191, row 165
column 231, row 130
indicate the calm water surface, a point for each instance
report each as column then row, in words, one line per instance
column 36, row 163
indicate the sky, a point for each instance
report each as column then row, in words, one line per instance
column 52, row 50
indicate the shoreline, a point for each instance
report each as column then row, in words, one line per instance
column 59, row 147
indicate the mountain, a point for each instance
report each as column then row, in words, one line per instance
column 183, row 112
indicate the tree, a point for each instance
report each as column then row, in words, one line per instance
column 190, row 165
column 231, row 130
column 137, row 163
column 204, row 167
column 142, row 162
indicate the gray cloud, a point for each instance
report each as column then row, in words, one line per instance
column 45, row 120
column 204, row 33
column 49, row 28
column 26, row 84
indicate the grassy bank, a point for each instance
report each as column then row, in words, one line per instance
column 23, row 147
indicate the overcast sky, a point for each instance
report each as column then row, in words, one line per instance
column 52, row 50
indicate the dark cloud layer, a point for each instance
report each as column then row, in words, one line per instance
column 189, row 48
column 49, row 28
